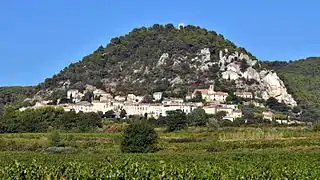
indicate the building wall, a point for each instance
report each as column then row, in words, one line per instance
column 210, row 110
column 157, row 96
column 103, row 107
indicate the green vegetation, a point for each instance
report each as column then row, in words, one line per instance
column 14, row 94
column 42, row 119
column 193, row 146
column 227, row 153
column 197, row 117
column 231, row 165
column 139, row 138
column 128, row 64
column 175, row 120
column 303, row 81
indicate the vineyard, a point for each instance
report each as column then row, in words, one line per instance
column 232, row 165
column 240, row 153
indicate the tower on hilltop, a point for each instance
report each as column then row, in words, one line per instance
column 181, row 25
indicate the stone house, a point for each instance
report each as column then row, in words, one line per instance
column 157, row 96
column 211, row 109
column 245, row 95
column 267, row 115
column 210, row 95
column 75, row 95
column 233, row 115
column 169, row 101
column 120, row 98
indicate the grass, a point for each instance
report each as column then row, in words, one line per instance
column 191, row 139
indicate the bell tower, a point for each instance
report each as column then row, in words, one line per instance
column 211, row 88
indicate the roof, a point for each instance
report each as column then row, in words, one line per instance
column 83, row 103
column 211, row 106
column 267, row 113
column 220, row 93
column 244, row 93
column 202, row 91
column 156, row 93
column 99, row 91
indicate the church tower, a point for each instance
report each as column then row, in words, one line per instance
column 211, row 88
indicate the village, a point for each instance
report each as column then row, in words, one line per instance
column 213, row 102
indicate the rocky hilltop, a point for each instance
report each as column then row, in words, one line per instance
column 174, row 60
column 241, row 69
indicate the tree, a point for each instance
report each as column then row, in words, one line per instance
column 198, row 117
column 296, row 109
column 277, row 106
column 139, row 138
column 109, row 114
column 198, row 97
column 233, row 98
column 147, row 99
column 219, row 115
column 225, row 123
column 238, row 122
column 88, row 96
column 244, row 65
column 123, row 113
column 88, row 121
column 176, row 120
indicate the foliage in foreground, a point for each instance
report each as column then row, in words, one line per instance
column 240, row 165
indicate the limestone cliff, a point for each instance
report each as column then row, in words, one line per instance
column 266, row 81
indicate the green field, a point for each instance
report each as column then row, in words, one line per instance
column 195, row 153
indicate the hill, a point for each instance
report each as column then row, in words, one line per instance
column 131, row 62
column 176, row 60
column 302, row 79
column 168, row 59
column 15, row 94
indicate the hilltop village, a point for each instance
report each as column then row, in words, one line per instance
column 157, row 105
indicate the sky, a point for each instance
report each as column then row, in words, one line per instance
column 38, row 38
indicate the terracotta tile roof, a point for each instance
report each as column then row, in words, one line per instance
column 203, row 91
column 220, row 93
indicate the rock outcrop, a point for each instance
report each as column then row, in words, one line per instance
column 239, row 67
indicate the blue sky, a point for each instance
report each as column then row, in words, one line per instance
column 38, row 38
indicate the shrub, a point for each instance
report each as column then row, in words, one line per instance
column 59, row 150
column 55, row 139
column 139, row 138
column 316, row 126
column 212, row 125
column 213, row 149
column 113, row 127
column 184, row 140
